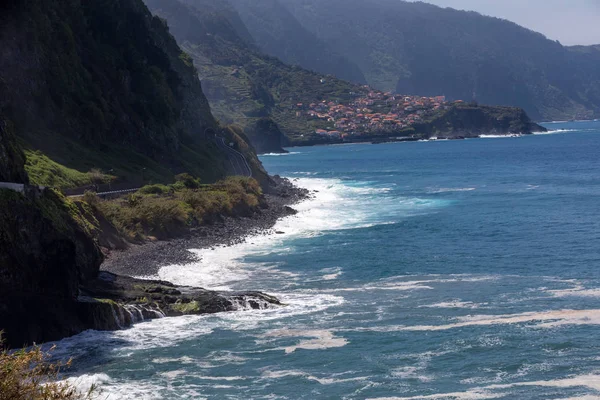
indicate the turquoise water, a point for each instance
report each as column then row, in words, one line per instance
column 437, row 270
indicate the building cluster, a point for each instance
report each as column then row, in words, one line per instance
column 375, row 113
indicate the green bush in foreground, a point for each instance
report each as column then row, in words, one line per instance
column 154, row 189
column 28, row 375
column 167, row 211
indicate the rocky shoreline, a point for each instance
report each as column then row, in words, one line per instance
column 146, row 259
column 107, row 297
column 116, row 300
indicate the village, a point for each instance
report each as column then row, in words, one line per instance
column 374, row 114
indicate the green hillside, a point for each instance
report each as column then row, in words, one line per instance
column 243, row 85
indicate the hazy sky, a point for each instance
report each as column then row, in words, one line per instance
column 570, row 21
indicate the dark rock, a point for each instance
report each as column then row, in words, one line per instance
column 44, row 256
column 148, row 296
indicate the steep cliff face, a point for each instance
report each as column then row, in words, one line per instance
column 473, row 120
column 243, row 85
column 46, row 252
column 103, row 84
column 265, row 136
column 213, row 35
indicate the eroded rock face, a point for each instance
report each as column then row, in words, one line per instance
column 44, row 256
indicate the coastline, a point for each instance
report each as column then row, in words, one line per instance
column 145, row 260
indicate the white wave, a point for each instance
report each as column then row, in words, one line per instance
column 335, row 205
column 331, row 273
column 180, row 360
column 222, row 378
column 577, row 291
column 168, row 332
column 397, row 284
column 474, row 394
column 510, row 135
column 106, row 388
column 291, row 153
column 555, row 131
column 591, row 382
column 411, row 372
column 447, row 190
column 173, row 374
column 454, row 304
column 268, row 374
column 545, row 319
column 320, row 339
column 305, row 173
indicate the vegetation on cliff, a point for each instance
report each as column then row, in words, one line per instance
column 167, row 211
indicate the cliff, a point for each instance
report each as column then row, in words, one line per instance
column 93, row 84
column 45, row 254
column 244, row 86
column 469, row 120
column 102, row 84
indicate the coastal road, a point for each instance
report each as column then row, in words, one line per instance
column 239, row 165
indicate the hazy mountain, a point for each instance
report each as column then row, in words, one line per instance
column 277, row 32
column 418, row 48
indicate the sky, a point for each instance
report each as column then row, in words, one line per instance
column 569, row 21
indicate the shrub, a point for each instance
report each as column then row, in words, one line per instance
column 28, row 375
column 154, row 189
column 164, row 216
column 188, row 181
column 91, row 198
column 140, row 216
column 97, row 177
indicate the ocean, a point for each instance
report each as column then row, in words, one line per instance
column 465, row 269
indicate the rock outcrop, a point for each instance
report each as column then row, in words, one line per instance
column 45, row 254
column 265, row 136
column 134, row 300
column 471, row 120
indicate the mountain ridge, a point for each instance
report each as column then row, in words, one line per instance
column 422, row 49
column 276, row 103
